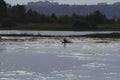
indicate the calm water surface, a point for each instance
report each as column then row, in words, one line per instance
column 48, row 59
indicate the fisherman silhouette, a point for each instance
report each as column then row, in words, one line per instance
column 65, row 41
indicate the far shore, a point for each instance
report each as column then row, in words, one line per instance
column 62, row 27
column 103, row 35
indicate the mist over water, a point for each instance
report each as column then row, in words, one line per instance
column 48, row 59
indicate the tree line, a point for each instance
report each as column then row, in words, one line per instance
column 10, row 16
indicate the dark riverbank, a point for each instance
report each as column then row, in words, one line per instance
column 111, row 35
column 100, row 35
column 62, row 27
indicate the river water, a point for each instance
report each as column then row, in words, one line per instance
column 58, row 33
column 48, row 59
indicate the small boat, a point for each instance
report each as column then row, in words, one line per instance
column 66, row 41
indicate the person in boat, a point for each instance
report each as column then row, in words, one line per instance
column 66, row 41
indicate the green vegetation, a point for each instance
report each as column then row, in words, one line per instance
column 3, row 9
column 43, row 27
column 7, row 23
column 59, row 27
column 109, row 27
column 18, row 18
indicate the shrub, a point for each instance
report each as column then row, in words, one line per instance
column 8, row 23
column 81, row 24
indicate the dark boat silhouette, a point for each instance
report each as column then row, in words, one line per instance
column 66, row 41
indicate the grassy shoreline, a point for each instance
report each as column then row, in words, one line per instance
column 62, row 27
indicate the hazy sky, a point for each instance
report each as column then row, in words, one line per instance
column 64, row 1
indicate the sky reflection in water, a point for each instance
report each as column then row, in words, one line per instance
column 48, row 59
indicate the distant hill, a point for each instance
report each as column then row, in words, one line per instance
column 110, row 10
column 42, row 4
